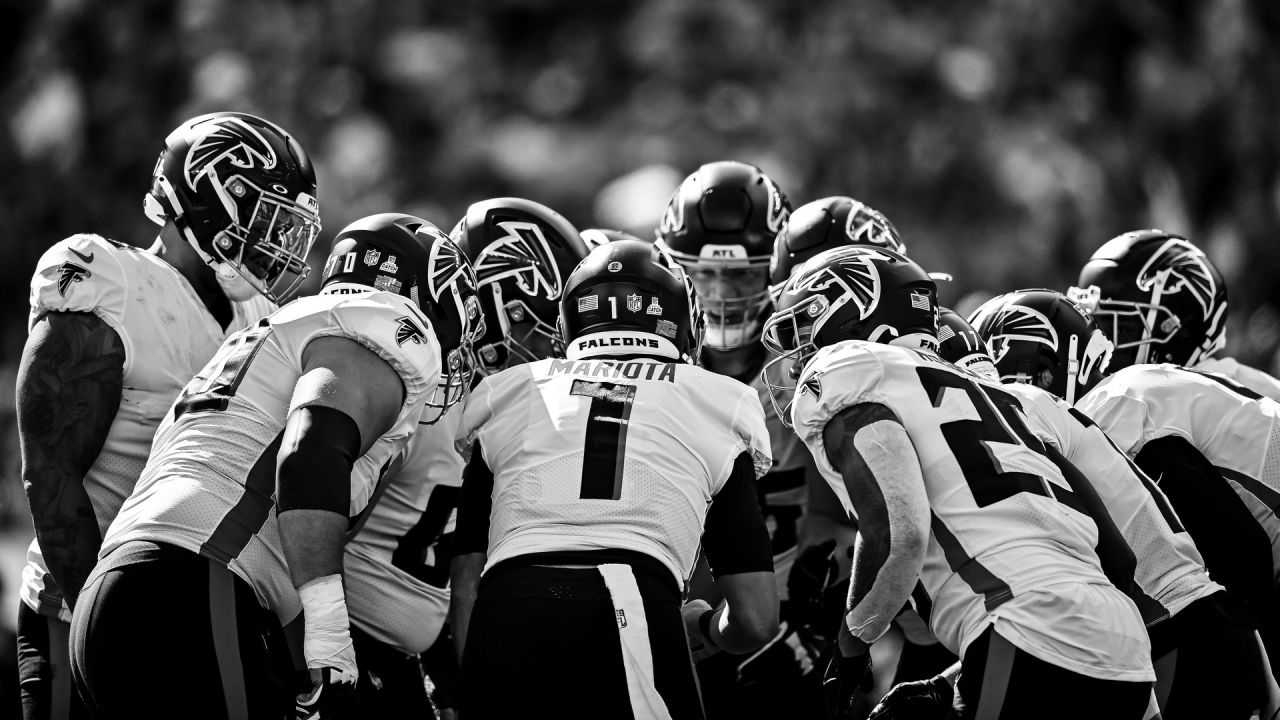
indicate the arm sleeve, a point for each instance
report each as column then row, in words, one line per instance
column 474, row 505
column 313, row 469
column 736, row 539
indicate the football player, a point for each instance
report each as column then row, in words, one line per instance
column 1206, row 656
column 591, row 480
column 1160, row 300
column 1205, row 439
column 258, row 471
column 826, row 223
column 116, row 331
column 995, row 537
column 721, row 225
column 397, row 566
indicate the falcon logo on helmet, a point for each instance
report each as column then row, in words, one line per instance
column 1015, row 323
column 1176, row 266
column 446, row 262
column 777, row 212
column 234, row 141
column 69, row 273
column 867, row 226
column 856, row 265
column 525, row 255
column 673, row 217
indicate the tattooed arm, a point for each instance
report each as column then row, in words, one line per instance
column 69, row 384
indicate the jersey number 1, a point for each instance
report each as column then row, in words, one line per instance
column 606, row 443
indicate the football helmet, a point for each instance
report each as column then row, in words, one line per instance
column 409, row 256
column 595, row 237
column 522, row 252
column 720, row 225
column 960, row 345
column 1158, row 298
column 242, row 192
column 824, row 224
column 1043, row 338
column 630, row 297
column 855, row 292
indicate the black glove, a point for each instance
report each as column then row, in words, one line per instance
column 919, row 700
column 326, row 700
column 845, row 676
column 812, row 572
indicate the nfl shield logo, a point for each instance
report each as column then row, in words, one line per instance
column 371, row 257
column 633, row 303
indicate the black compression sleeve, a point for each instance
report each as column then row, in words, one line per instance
column 313, row 468
column 736, row 539
column 471, row 534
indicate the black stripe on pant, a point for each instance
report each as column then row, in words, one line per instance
column 145, row 641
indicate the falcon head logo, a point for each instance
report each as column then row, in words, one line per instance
column 777, row 212
column 1180, row 266
column 852, row 271
column 673, row 217
column 868, row 227
column 232, row 143
column 408, row 331
column 524, row 254
column 446, row 263
column 1015, row 323
column 69, row 273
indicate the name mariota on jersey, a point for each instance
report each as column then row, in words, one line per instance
column 614, row 369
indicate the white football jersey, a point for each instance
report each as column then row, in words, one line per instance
column 1006, row 546
column 1170, row 572
column 1236, row 429
column 168, row 335
column 609, row 454
column 210, row 483
column 396, row 567
column 783, row 503
column 1252, row 378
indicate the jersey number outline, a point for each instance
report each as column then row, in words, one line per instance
column 605, row 446
column 218, row 382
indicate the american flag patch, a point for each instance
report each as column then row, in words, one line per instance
column 920, row 301
column 945, row 332
column 590, row 302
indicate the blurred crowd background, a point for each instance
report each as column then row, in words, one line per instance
column 1006, row 139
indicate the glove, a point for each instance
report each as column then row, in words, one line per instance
column 789, row 654
column 845, row 676
column 810, row 575
column 697, row 617
column 922, row 699
column 327, row 699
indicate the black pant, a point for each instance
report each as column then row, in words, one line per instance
column 770, row 683
column 161, row 632
column 1019, row 685
column 391, row 683
column 44, row 668
column 543, row 642
column 1217, row 669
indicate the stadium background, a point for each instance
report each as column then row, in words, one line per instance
column 1006, row 139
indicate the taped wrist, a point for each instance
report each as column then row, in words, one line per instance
column 313, row 470
column 326, row 639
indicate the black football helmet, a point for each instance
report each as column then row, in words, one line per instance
column 409, row 256
column 630, row 297
column 243, row 193
column 595, row 237
column 824, row 224
column 1043, row 338
column 853, row 292
column 1157, row 296
column 522, row 252
column 960, row 345
column 720, row 225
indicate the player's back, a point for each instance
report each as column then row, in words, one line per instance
column 209, row 485
column 621, row 454
column 1009, row 542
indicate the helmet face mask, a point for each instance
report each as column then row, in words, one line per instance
column 242, row 192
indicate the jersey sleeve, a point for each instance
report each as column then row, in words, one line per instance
column 753, row 435
column 80, row 274
column 838, row 377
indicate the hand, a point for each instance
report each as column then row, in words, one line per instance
column 812, row 572
column 789, row 653
column 844, row 678
column 923, row 699
column 700, row 646
column 329, row 698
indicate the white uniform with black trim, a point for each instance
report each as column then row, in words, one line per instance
column 1170, row 571
column 209, row 486
column 665, row 435
column 1003, row 550
column 1252, row 378
column 1236, row 429
column 396, row 569
column 167, row 334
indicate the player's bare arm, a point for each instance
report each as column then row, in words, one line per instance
column 471, row 536
column 69, row 384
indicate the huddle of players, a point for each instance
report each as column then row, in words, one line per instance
column 296, row 506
